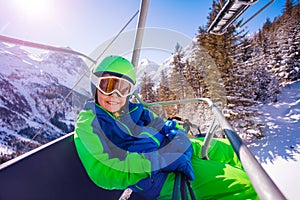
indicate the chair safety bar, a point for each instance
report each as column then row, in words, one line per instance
column 263, row 184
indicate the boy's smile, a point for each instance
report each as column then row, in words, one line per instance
column 111, row 103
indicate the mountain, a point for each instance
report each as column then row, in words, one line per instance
column 32, row 104
column 151, row 68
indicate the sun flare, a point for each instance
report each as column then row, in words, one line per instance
column 33, row 8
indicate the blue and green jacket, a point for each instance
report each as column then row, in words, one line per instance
column 112, row 149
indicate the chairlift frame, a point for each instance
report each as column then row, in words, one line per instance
column 230, row 12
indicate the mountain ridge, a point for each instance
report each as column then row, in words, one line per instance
column 33, row 91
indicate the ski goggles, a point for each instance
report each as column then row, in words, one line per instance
column 108, row 85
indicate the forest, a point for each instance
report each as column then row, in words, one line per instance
column 236, row 70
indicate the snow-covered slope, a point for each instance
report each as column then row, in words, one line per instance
column 151, row 68
column 279, row 150
column 32, row 90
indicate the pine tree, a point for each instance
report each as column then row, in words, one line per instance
column 278, row 42
column 221, row 49
column 293, row 15
column 165, row 94
column 288, row 7
column 147, row 91
column 164, row 88
column 178, row 81
column 149, row 94
column 192, row 77
column 242, row 65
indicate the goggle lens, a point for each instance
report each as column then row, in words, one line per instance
column 109, row 85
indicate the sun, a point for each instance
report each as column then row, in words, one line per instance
column 33, row 8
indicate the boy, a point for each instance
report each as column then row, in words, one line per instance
column 123, row 144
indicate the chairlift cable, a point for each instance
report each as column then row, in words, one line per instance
column 259, row 11
column 113, row 40
column 42, row 46
column 77, row 82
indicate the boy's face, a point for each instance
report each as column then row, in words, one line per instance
column 111, row 103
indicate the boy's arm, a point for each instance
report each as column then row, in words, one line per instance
column 105, row 171
column 154, row 121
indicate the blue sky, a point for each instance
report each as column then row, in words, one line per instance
column 84, row 24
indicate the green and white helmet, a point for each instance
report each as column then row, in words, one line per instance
column 115, row 65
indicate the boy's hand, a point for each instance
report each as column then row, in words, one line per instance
column 175, row 156
column 170, row 129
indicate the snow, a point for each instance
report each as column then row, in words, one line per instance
column 5, row 150
column 279, row 151
column 152, row 69
column 23, row 71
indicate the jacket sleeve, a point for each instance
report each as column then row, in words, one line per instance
column 105, row 171
column 152, row 120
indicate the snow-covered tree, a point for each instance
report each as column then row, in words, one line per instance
column 147, row 91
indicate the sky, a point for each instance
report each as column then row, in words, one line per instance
column 85, row 24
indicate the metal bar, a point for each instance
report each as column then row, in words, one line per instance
column 164, row 103
column 254, row 15
column 140, row 32
column 27, row 154
column 263, row 184
column 232, row 10
column 245, row 2
column 208, row 138
column 42, row 46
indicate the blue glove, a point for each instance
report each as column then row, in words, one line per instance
column 182, row 145
column 170, row 125
column 170, row 162
column 182, row 164
column 175, row 156
column 169, row 129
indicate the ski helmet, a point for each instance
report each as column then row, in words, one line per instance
column 115, row 65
